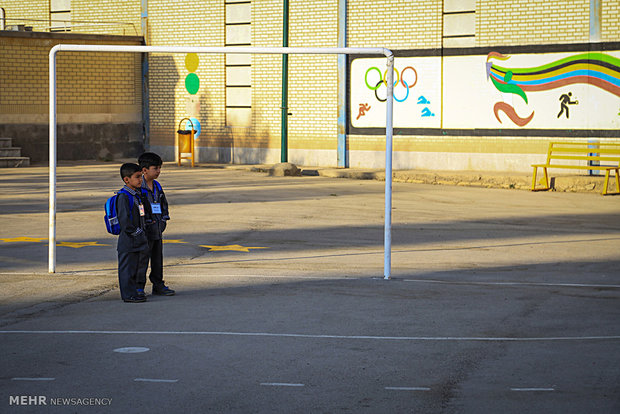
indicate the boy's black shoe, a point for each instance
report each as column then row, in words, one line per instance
column 163, row 291
column 135, row 299
column 140, row 293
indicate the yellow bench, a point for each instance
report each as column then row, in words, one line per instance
column 560, row 152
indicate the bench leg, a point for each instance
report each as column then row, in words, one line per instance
column 534, row 176
column 607, row 182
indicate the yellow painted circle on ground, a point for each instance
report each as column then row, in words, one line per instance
column 191, row 62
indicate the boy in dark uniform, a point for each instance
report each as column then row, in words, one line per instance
column 153, row 194
column 132, row 241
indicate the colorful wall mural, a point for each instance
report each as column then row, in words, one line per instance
column 417, row 92
column 578, row 90
column 597, row 70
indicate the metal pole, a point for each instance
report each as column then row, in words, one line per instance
column 387, row 249
column 342, row 153
column 284, row 116
column 227, row 49
column 52, row 154
column 595, row 21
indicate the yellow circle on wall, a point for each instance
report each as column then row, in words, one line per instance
column 191, row 62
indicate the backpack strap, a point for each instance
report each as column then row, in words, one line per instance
column 157, row 186
column 130, row 196
column 156, row 189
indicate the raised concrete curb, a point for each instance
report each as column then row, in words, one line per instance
column 516, row 181
column 485, row 179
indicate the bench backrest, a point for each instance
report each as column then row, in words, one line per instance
column 584, row 151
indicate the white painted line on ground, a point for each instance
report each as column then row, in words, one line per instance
column 532, row 389
column 32, row 379
column 155, row 380
column 408, row 388
column 193, row 275
column 241, row 276
column 280, row 384
column 458, row 282
column 315, row 336
column 132, row 350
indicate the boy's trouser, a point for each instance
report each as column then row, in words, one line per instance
column 155, row 255
column 128, row 266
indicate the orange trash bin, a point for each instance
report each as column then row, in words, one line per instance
column 185, row 144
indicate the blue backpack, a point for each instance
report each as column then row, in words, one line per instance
column 111, row 218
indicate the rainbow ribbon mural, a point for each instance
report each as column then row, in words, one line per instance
column 596, row 69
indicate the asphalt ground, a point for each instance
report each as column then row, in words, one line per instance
column 500, row 300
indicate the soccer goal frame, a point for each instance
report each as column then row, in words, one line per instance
column 233, row 50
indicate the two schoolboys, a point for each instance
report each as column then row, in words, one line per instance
column 142, row 219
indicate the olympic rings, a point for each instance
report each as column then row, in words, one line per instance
column 406, row 88
column 402, row 77
column 366, row 78
column 381, row 82
column 376, row 89
column 381, row 77
column 385, row 77
column 399, row 78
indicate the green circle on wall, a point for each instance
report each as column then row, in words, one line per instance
column 192, row 83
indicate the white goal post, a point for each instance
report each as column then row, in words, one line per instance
column 234, row 50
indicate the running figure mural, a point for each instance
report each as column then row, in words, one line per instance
column 565, row 98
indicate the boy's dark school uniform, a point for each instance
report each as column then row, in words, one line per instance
column 156, row 220
column 132, row 241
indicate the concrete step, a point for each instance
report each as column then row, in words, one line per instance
column 6, row 142
column 10, row 152
column 12, row 162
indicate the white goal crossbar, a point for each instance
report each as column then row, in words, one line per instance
column 234, row 50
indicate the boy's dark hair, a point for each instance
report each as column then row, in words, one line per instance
column 128, row 169
column 149, row 159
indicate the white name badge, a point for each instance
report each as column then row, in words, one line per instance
column 156, row 208
column 141, row 208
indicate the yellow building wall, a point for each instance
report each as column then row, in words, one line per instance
column 35, row 13
column 313, row 80
column 111, row 17
column 91, row 87
column 523, row 22
column 610, row 20
column 395, row 24
column 267, row 21
column 117, row 17
column 185, row 23
column 95, row 91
